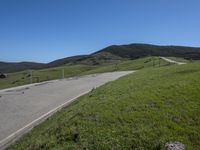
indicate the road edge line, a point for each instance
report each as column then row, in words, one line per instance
column 17, row 134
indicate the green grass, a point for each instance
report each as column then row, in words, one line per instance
column 137, row 64
column 22, row 78
column 140, row 111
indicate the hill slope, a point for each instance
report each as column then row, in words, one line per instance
column 6, row 67
column 22, row 78
column 143, row 110
column 110, row 55
column 134, row 51
column 92, row 59
column 113, row 54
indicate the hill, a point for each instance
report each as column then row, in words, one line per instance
column 6, row 67
column 117, row 53
column 143, row 110
column 110, row 55
column 22, row 78
column 133, row 51
column 92, row 59
column 67, row 60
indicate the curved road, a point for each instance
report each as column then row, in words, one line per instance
column 22, row 108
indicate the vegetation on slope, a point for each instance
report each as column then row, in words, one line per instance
column 133, row 51
column 137, row 64
column 143, row 110
column 110, row 55
column 22, row 78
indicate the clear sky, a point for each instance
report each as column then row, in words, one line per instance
column 44, row 30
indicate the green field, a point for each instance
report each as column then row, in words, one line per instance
column 140, row 111
column 22, row 78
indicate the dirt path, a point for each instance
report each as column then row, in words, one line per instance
column 173, row 61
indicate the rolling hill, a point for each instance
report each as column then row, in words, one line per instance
column 140, row 111
column 6, row 67
column 133, row 51
column 110, row 55
column 71, row 70
column 116, row 53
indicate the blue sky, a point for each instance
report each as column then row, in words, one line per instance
column 45, row 30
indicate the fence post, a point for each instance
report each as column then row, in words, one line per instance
column 31, row 76
column 63, row 73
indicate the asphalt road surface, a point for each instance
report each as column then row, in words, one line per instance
column 22, row 108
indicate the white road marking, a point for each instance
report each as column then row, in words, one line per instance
column 19, row 132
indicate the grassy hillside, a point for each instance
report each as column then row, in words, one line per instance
column 116, row 53
column 93, row 59
column 143, row 111
column 110, row 55
column 137, row 64
column 21, row 78
column 133, row 51
column 67, row 60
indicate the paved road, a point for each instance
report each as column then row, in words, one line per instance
column 173, row 61
column 23, row 107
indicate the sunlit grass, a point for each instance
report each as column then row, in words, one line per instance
column 22, row 78
column 143, row 110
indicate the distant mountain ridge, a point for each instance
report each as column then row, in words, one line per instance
column 6, row 67
column 110, row 54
